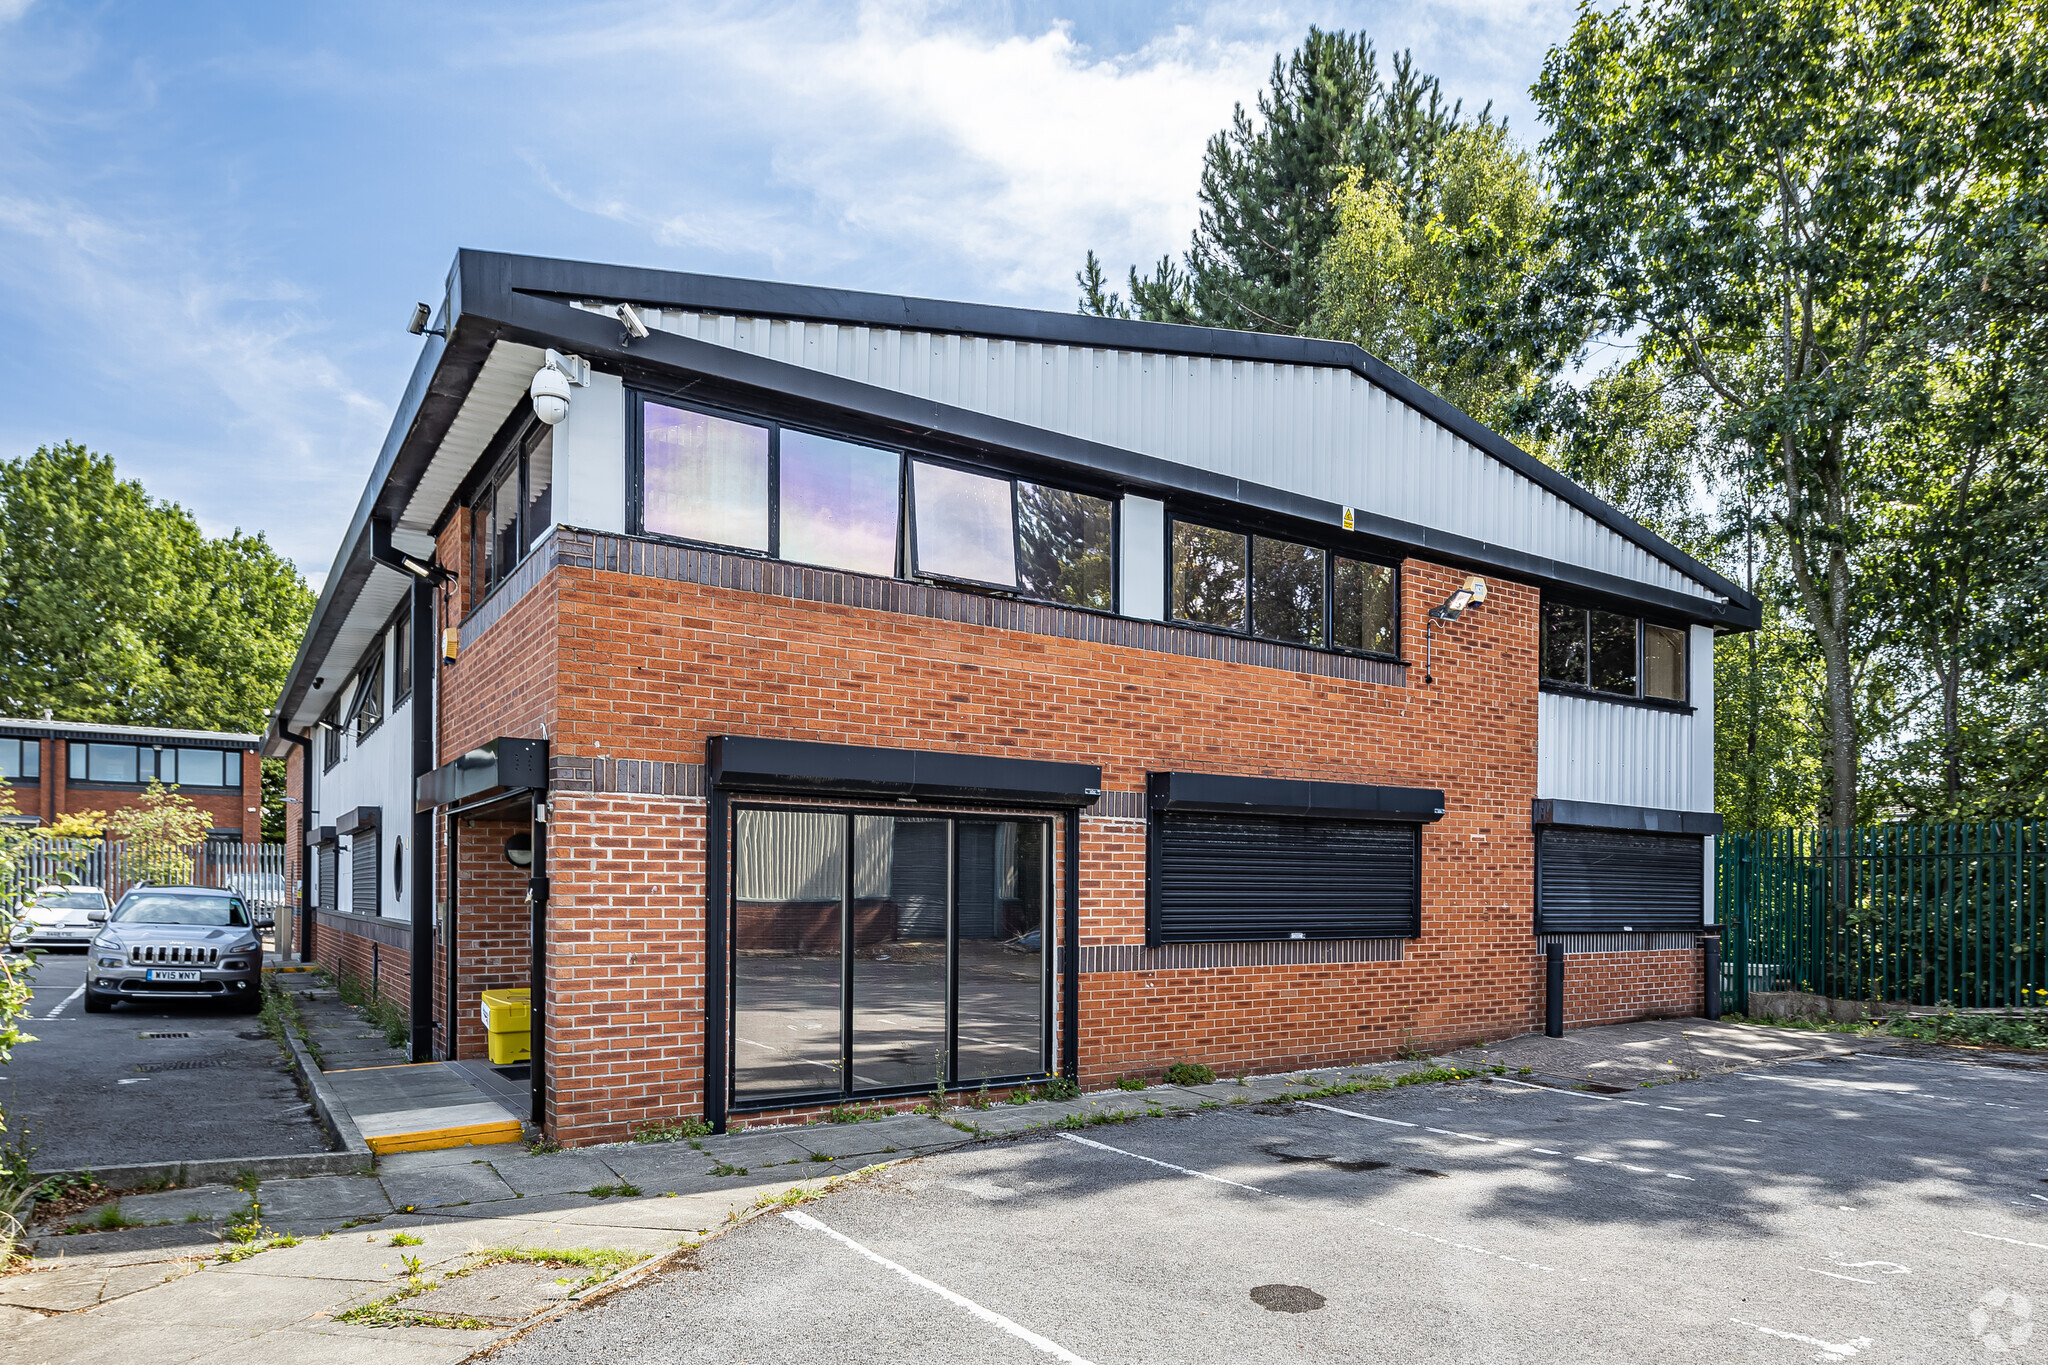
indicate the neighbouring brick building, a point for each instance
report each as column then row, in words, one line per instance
column 816, row 695
column 56, row 768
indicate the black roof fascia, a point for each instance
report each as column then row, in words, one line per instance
column 1224, row 794
column 502, row 764
column 1638, row 819
column 764, row 298
column 57, row 729
column 543, row 321
column 742, row 763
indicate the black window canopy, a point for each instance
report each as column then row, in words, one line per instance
column 1226, row 794
column 747, row 763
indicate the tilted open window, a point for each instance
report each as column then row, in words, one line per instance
column 996, row 531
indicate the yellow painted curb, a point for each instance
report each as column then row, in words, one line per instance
column 387, row 1066
column 468, row 1134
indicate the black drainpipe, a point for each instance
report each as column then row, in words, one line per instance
column 304, row 744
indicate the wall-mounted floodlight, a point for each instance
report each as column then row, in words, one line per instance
column 552, row 382
column 421, row 316
column 635, row 328
column 1469, row 594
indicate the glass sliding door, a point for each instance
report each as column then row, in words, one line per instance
column 789, row 909
column 899, row 954
column 876, row 953
column 1000, row 949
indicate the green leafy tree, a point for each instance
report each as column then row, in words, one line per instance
column 1269, row 186
column 1767, row 192
column 158, row 835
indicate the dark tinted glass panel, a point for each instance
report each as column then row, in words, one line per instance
column 114, row 763
column 899, row 951
column 964, row 528
column 1208, row 575
column 1613, row 645
column 1362, row 617
column 704, row 478
column 141, row 907
column 483, row 535
column 839, row 504
column 1002, row 889
column 401, row 654
column 506, row 550
column 19, row 758
column 1065, row 546
column 789, row 876
column 540, row 485
column 1663, row 662
column 1564, row 644
column 1287, row 591
column 200, row 767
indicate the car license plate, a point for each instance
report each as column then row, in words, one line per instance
column 158, row 974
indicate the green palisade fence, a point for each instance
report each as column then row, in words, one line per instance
column 1910, row 914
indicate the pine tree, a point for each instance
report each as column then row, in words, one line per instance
column 1269, row 185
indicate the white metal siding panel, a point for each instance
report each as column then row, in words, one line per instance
column 1590, row 750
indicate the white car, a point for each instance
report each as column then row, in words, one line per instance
column 58, row 917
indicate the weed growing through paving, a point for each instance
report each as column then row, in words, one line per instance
column 246, row 1181
column 387, row 1015
column 857, row 1113
column 819, row 1156
column 543, row 1146
column 625, row 1189
column 1189, row 1073
column 406, row 1239
column 597, row 1265
column 981, row 1100
column 1060, row 1088
column 667, row 1130
column 727, row 1168
column 1130, row 1082
column 1020, row 1096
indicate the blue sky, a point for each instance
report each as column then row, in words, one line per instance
column 215, row 218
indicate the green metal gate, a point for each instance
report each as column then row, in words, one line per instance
column 1911, row 914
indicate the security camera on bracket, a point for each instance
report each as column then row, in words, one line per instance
column 1471, row 594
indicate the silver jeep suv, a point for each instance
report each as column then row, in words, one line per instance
column 176, row 943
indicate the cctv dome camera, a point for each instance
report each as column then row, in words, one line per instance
column 550, row 394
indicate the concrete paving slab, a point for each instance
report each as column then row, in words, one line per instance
column 667, row 1168
column 213, row 1203
column 559, row 1173
column 506, row 1294
column 852, row 1139
column 253, row 1302
column 1010, row 1119
column 407, row 1163
column 751, row 1149
column 64, row 1290
column 323, row 1197
column 350, row 1345
column 446, row 1185
column 352, row 1257
column 135, row 1246
column 61, row 1341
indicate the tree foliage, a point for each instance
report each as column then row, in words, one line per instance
column 159, row 833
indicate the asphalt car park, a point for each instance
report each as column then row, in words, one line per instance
column 150, row 1080
column 1888, row 1207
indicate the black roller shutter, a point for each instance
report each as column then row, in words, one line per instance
column 1236, row 878
column 329, row 873
column 365, row 865
column 1591, row 881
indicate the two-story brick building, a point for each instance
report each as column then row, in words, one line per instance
column 818, row 695
column 57, row 768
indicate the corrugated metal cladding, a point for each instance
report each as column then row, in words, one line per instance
column 1235, row 877
column 1619, row 755
column 1323, row 432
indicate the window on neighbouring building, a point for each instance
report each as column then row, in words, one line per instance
column 200, row 767
column 330, row 736
column 110, row 763
column 366, row 706
column 21, row 759
column 401, row 656
column 514, row 508
column 1282, row 590
column 1612, row 653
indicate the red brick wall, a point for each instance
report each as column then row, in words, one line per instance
column 1608, row 988
column 629, row 667
column 380, row 967
column 625, row 1020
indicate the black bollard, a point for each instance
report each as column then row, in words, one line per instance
column 1553, row 990
column 1713, row 991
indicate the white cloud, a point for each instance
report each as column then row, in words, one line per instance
column 908, row 130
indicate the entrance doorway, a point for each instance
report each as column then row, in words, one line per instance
column 877, row 954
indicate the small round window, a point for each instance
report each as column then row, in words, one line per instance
column 398, row 869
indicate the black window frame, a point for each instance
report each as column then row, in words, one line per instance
column 1331, row 554
column 330, row 743
column 1051, row 949
column 1584, row 686
column 906, row 455
column 508, row 455
column 367, row 685
column 25, row 749
column 400, row 633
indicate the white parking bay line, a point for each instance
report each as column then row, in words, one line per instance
column 989, row 1316
column 65, row 1001
column 1353, row 1114
column 1199, row 1175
